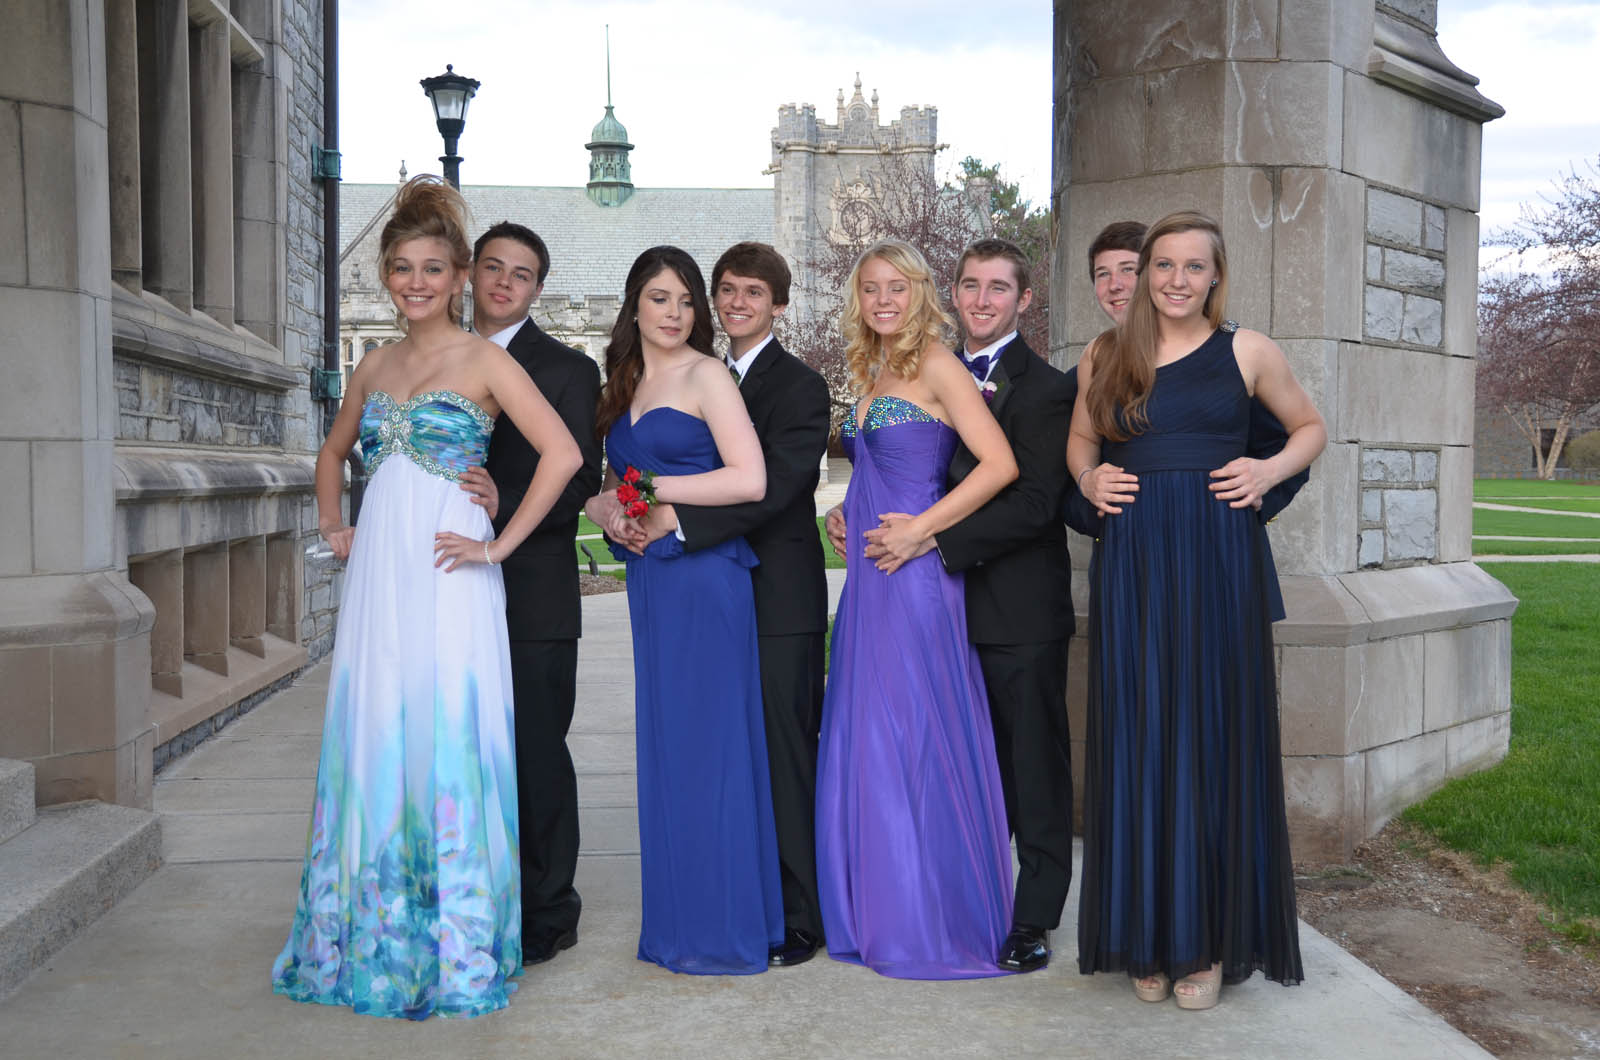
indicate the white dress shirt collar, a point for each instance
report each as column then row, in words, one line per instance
column 993, row 349
column 503, row 337
column 742, row 365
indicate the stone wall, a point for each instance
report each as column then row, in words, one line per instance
column 161, row 332
column 1339, row 149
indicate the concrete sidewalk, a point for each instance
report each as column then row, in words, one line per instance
column 180, row 968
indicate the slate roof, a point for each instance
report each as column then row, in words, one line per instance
column 591, row 246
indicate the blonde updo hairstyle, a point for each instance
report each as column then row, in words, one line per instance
column 926, row 323
column 428, row 208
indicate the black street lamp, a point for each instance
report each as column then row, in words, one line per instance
column 450, row 93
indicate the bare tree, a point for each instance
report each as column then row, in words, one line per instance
column 1539, row 330
column 900, row 200
column 1539, row 356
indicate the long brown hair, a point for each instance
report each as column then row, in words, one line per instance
column 428, row 208
column 625, row 351
column 1125, row 357
column 866, row 352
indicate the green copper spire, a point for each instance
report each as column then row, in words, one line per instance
column 610, row 176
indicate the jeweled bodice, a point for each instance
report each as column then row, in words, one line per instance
column 908, row 448
column 886, row 410
column 441, row 431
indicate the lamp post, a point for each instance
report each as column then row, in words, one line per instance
column 450, row 93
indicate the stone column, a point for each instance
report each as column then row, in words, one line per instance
column 1339, row 149
column 122, row 130
column 74, row 633
column 211, row 169
column 165, row 181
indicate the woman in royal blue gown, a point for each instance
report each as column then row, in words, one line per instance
column 409, row 899
column 708, row 854
column 913, row 856
column 1186, row 869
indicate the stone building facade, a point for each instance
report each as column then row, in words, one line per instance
column 825, row 180
column 163, row 314
column 1340, row 149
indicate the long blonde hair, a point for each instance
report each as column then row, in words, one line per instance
column 868, row 353
column 1125, row 357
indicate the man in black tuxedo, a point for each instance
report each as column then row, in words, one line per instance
column 1013, row 552
column 788, row 404
column 543, row 611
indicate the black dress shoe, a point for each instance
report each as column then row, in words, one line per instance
column 540, row 948
column 799, row 946
column 1026, row 949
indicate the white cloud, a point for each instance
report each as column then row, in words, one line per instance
column 1537, row 61
column 697, row 86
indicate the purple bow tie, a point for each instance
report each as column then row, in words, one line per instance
column 979, row 366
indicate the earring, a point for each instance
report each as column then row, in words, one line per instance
column 1213, row 283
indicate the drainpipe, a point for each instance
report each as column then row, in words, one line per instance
column 326, row 164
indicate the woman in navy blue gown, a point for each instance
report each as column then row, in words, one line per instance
column 1186, row 868
column 913, row 856
column 712, row 902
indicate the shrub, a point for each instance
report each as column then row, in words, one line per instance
column 1583, row 453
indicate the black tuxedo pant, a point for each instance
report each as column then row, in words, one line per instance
column 791, row 699
column 544, row 681
column 1027, row 686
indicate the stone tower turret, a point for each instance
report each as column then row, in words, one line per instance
column 610, row 176
column 820, row 170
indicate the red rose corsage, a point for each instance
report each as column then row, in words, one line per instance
column 636, row 492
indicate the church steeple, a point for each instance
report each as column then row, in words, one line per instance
column 610, row 176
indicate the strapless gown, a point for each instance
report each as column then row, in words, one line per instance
column 913, row 855
column 708, row 847
column 410, row 901
column 1186, row 848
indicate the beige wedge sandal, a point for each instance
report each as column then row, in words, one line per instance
column 1204, row 989
column 1152, row 987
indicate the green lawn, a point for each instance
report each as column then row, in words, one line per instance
column 1529, row 524
column 1480, row 547
column 1485, row 489
column 602, row 553
column 1538, row 811
column 1554, row 504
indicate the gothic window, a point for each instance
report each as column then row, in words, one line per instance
column 195, row 159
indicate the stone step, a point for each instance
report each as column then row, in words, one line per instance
column 59, row 875
column 16, row 797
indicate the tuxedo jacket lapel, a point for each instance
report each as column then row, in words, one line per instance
column 752, row 382
column 1008, row 373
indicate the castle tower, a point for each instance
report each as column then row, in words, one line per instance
column 610, row 176
column 823, row 172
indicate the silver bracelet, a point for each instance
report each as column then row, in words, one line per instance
column 1082, row 473
column 486, row 558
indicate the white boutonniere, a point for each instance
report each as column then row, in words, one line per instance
column 988, row 388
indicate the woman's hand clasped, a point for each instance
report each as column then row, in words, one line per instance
column 1241, row 482
column 1107, row 487
column 453, row 549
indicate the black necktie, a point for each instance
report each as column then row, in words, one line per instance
column 733, row 371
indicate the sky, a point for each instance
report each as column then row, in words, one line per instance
column 701, row 120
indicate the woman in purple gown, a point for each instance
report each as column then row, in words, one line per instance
column 913, row 857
